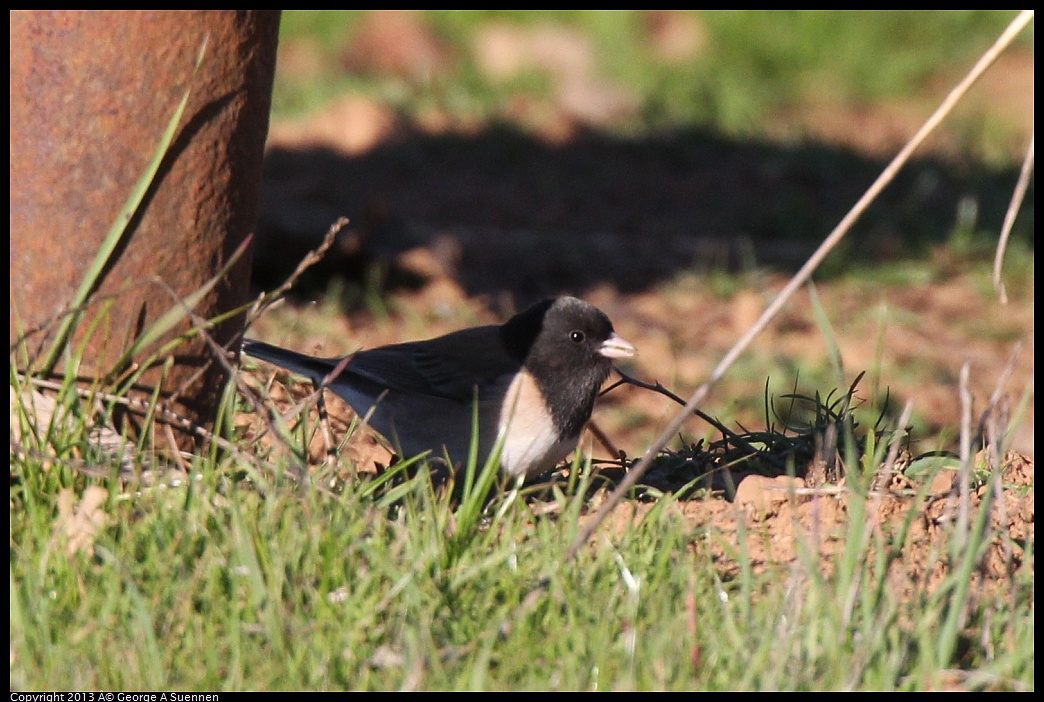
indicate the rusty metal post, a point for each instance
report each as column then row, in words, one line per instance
column 91, row 94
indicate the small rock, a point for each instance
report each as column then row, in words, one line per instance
column 764, row 495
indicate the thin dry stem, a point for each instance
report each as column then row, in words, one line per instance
column 800, row 278
column 219, row 353
column 266, row 300
column 964, row 504
column 884, row 475
column 162, row 414
column 998, row 390
column 726, row 432
column 324, row 427
column 603, row 439
column 1017, row 196
column 893, row 450
column 172, row 442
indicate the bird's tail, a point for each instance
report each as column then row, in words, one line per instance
column 315, row 369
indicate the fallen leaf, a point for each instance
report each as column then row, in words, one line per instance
column 79, row 525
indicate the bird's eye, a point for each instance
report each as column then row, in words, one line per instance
column 576, row 335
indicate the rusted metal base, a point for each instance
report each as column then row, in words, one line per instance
column 91, row 94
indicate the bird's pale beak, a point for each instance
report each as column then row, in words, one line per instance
column 616, row 347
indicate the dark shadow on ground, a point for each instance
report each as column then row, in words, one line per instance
column 504, row 212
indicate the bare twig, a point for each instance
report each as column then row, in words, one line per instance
column 161, row 410
column 964, row 498
column 161, row 414
column 329, row 447
column 884, row 475
column 998, row 390
column 603, row 439
column 658, row 387
column 175, row 452
column 799, row 279
column 260, row 306
column 893, row 450
column 993, row 424
column 266, row 300
column 726, row 432
column 1017, row 197
column 219, row 354
column 1002, row 518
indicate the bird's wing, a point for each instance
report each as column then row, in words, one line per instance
column 451, row 366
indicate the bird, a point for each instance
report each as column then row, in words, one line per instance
column 530, row 382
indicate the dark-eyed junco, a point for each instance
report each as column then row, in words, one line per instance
column 535, row 379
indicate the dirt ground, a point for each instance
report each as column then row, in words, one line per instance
column 456, row 223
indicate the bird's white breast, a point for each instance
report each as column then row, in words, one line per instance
column 530, row 441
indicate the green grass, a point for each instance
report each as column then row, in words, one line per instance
column 748, row 64
column 243, row 577
column 219, row 582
